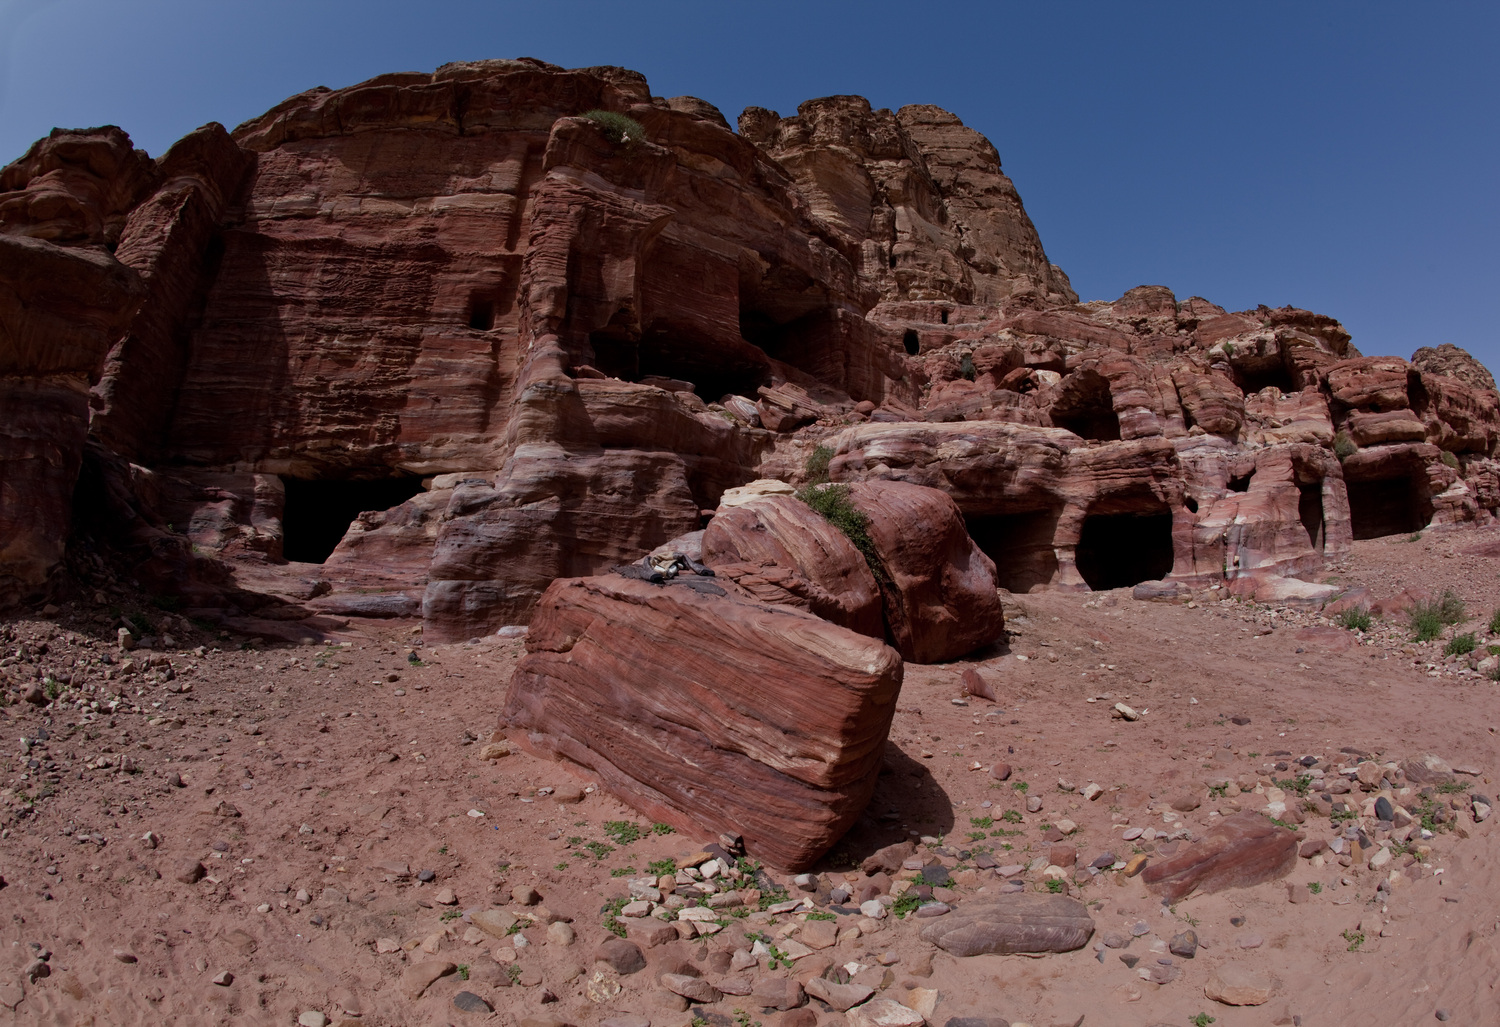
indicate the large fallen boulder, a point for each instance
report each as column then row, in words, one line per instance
column 782, row 551
column 708, row 710
column 1023, row 922
column 1244, row 849
column 938, row 587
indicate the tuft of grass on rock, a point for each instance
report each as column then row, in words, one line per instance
column 1460, row 645
column 1356, row 619
column 1430, row 616
column 832, row 501
column 617, row 127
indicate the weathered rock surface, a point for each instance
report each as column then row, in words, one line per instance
column 781, row 551
column 1241, row 850
column 937, row 587
column 707, row 709
column 1236, row 985
column 1024, row 922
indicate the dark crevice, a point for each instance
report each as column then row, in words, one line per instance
column 1387, row 506
column 1310, row 512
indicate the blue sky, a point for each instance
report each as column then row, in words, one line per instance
column 1336, row 156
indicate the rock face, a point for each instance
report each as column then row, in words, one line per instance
column 937, row 586
column 452, row 321
column 1024, row 922
column 1243, row 849
column 708, row 709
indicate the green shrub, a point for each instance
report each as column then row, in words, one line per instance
column 1344, row 446
column 617, row 127
column 622, row 831
column 832, row 501
column 966, row 367
column 1429, row 616
column 1449, row 459
column 1356, row 619
column 1460, row 645
column 816, row 466
column 1495, row 623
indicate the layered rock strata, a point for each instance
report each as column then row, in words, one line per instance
column 708, row 709
column 505, row 342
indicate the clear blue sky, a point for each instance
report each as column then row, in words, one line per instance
column 1337, row 156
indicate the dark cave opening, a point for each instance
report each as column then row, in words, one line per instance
column 1254, row 378
column 912, row 342
column 1086, row 408
column 1387, row 506
column 1123, row 549
column 1240, row 482
column 714, row 371
column 482, row 315
column 1310, row 511
column 616, row 353
column 318, row 512
column 1021, row 546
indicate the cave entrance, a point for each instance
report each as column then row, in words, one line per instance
column 318, row 512
column 1117, row 550
column 1387, row 506
column 1021, row 546
column 1310, row 511
column 1252, row 380
column 912, row 342
column 714, row 369
column 1085, row 407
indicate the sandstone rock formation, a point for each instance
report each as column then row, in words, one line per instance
column 1013, row 923
column 708, row 709
column 1243, row 849
column 435, row 340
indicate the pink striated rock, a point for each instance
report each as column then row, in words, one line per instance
column 1241, row 850
column 708, row 710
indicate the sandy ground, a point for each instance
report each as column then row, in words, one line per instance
column 306, row 779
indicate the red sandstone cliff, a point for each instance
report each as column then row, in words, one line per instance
column 580, row 341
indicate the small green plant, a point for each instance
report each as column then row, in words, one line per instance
column 816, row 465
column 976, row 836
column 617, row 127
column 1217, row 791
column 1449, row 460
column 463, row 971
column 560, row 866
column 1356, row 619
column 1428, row 617
column 450, row 914
column 1344, row 446
column 832, row 501
column 622, row 872
column 599, row 849
column 663, row 829
column 1021, row 787
column 1301, row 784
column 575, row 839
column 1055, row 887
column 52, row 688
column 1316, row 887
column 1494, row 625
column 699, row 1021
column 443, row 851
column 966, row 367
column 1289, row 825
column 1355, row 939
column 742, row 1019
column 612, row 922
column 1460, row 645
column 1202, row 1020
column 1339, row 816
column 623, row 831
column 662, row 867
column 906, row 904
column 1011, row 816
column 1451, row 787
column 821, row 916
column 985, row 822
column 1415, row 536
column 514, row 972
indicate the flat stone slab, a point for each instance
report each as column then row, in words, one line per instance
column 1244, row 849
column 1024, row 922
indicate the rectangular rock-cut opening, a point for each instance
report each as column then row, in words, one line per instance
column 1266, row 375
column 1021, row 546
column 1118, row 550
column 318, row 512
column 1388, row 506
column 482, row 315
column 1310, row 512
